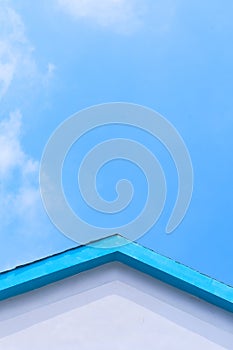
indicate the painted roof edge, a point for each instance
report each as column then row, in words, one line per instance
column 117, row 248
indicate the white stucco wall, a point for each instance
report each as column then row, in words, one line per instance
column 112, row 307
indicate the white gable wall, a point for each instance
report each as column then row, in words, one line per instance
column 112, row 307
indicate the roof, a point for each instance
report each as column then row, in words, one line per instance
column 51, row 269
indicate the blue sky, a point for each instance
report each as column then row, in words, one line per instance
column 174, row 56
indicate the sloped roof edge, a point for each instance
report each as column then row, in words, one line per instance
column 117, row 248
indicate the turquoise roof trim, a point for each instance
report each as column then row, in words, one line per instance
column 39, row 273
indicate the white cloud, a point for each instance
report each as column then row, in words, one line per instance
column 14, row 48
column 121, row 15
column 16, row 53
column 26, row 233
column 23, row 221
column 11, row 153
column 19, row 193
column 51, row 68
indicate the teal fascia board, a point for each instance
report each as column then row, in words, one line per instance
column 54, row 268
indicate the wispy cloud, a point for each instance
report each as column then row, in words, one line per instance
column 18, row 171
column 26, row 233
column 119, row 15
column 11, row 154
column 15, row 51
column 17, row 59
column 19, row 194
column 23, row 221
